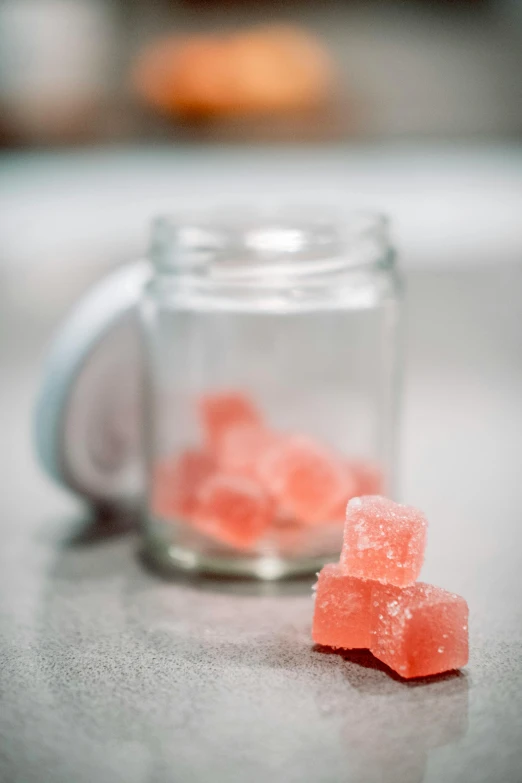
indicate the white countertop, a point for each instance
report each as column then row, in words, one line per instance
column 110, row 674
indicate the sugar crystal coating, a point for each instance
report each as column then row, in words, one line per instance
column 177, row 481
column 307, row 481
column 383, row 540
column 342, row 610
column 223, row 410
column 419, row 630
column 233, row 509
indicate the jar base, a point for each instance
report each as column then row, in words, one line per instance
column 169, row 558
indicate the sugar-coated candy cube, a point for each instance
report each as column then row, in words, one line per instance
column 419, row 630
column 307, row 481
column 223, row 410
column 342, row 611
column 233, row 509
column 177, row 481
column 383, row 540
column 242, row 447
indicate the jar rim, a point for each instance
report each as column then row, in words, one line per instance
column 260, row 244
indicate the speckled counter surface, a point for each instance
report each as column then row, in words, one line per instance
column 110, row 674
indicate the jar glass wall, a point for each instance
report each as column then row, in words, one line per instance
column 272, row 377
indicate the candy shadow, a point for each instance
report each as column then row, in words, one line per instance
column 366, row 660
column 428, row 712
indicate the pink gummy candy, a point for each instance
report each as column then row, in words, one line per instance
column 351, row 490
column 362, row 478
column 233, row 509
column 419, row 630
column 368, row 476
column 294, row 539
column 221, row 411
column 383, row 540
column 307, row 481
column 242, row 447
column 176, row 483
column 342, row 612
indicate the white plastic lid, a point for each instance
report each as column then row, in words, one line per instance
column 88, row 415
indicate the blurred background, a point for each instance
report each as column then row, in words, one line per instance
column 113, row 109
column 97, row 72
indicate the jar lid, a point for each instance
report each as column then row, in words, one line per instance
column 87, row 425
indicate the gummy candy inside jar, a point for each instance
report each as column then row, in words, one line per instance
column 271, row 385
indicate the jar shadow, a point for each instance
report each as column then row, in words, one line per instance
column 104, row 524
column 100, row 523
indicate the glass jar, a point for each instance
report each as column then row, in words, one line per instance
column 271, row 385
